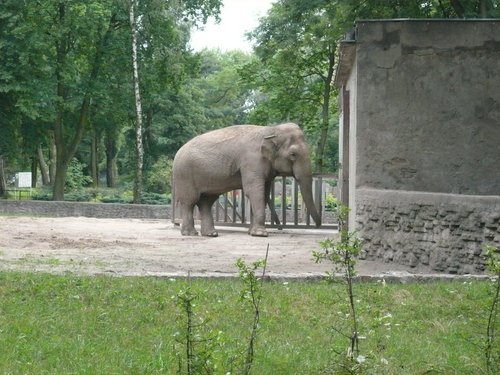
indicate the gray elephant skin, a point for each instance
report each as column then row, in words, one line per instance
column 235, row 157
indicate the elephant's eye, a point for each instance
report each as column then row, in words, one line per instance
column 293, row 155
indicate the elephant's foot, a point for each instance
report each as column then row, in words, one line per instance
column 258, row 232
column 189, row 232
column 210, row 233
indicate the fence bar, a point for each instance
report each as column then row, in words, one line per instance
column 233, row 195
column 283, row 200
column 295, row 202
column 226, row 217
column 243, row 206
column 271, row 204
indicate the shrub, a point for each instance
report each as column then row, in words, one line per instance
column 331, row 203
column 158, row 178
column 154, row 198
column 42, row 194
column 75, row 178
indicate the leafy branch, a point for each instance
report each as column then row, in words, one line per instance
column 253, row 293
column 342, row 254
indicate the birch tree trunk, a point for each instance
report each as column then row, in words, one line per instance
column 139, row 149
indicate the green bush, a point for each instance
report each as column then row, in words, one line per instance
column 158, row 179
column 42, row 194
column 76, row 178
column 78, row 196
column 155, row 198
column 331, row 203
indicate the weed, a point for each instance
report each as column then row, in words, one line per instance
column 493, row 257
column 342, row 254
column 252, row 292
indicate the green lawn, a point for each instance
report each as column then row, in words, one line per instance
column 109, row 325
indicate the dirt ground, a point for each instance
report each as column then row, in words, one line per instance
column 156, row 248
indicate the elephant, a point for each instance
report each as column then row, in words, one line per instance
column 235, row 157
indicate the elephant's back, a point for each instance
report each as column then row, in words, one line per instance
column 229, row 134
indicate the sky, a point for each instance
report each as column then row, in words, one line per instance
column 237, row 18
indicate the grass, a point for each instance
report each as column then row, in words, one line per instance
column 106, row 325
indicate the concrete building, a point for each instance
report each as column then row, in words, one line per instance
column 420, row 140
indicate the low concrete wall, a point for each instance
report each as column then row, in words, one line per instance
column 98, row 210
column 447, row 232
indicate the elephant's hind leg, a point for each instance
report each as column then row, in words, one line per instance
column 207, row 221
column 187, row 226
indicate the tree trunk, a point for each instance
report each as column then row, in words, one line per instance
column 44, row 169
column 139, row 150
column 110, row 159
column 52, row 158
column 34, row 171
column 66, row 151
column 94, row 159
column 325, row 112
column 458, row 8
column 3, row 183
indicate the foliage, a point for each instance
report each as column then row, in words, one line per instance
column 296, row 46
column 76, row 179
column 103, row 195
column 252, row 293
column 65, row 77
column 331, row 203
column 159, row 177
column 193, row 347
column 342, row 255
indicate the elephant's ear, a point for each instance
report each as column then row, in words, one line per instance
column 269, row 147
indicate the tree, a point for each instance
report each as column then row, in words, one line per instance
column 296, row 51
column 296, row 46
column 159, row 36
column 139, row 150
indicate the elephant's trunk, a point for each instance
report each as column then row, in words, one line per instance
column 305, row 184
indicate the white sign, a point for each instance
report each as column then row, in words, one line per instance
column 23, row 180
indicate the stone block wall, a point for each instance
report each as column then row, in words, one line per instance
column 445, row 232
column 104, row 210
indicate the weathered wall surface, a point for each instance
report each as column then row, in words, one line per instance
column 428, row 106
column 446, row 232
column 63, row 209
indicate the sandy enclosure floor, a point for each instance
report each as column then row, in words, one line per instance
column 156, row 248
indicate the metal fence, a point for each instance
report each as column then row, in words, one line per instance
column 286, row 209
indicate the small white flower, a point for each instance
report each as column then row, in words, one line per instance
column 361, row 359
column 285, row 283
column 384, row 361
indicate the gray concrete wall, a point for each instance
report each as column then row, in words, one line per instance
column 428, row 106
column 99, row 210
column 424, row 161
column 445, row 232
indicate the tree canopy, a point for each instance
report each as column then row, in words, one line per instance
column 66, row 86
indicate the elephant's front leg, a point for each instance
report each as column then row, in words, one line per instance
column 255, row 191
